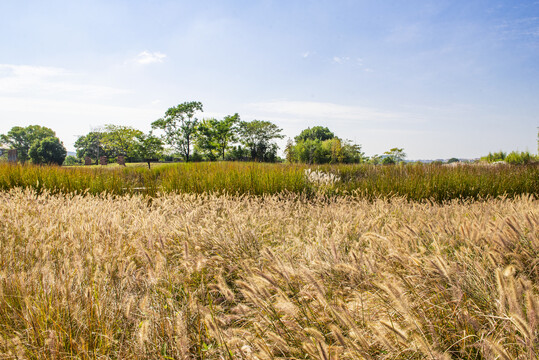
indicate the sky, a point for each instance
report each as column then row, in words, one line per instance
column 440, row 78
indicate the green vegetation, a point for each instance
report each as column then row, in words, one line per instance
column 514, row 157
column 48, row 151
column 318, row 145
column 276, row 277
column 22, row 139
column 412, row 181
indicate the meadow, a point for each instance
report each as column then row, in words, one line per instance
column 269, row 261
column 412, row 181
column 284, row 276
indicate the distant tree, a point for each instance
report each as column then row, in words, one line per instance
column 396, row 154
column 91, row 145
column 226, row 132
column 351, row 153
column 318, row 145
column 48, row 151
column 179, row 125
column 452, row 160
column 258, row 137
column 71, row 160
column 148, row 147
column 493, row 157
column 290, row 151
column 120, row 140
column 375, row 159
column 206, row 139
column 388, row 160
column 22, row 138
column 315, row 133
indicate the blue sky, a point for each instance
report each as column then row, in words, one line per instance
column 437, row 78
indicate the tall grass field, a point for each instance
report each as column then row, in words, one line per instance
column 191, row 276
column 269, row 261
column 415, row 182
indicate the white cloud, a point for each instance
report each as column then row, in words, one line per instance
column 70, row 118
column 340, row 59
column 42, row 81
column 306, row 54
column 145, row 58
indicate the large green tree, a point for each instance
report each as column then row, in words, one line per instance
column 258, row 137
column 22, row 138
column 148, row 148
column 48, row 151
column 318, row 145
column 179, row 125
column 91, row 145
column 120, row 140
column 215, row 136
column 315, row 133
column 396, row 155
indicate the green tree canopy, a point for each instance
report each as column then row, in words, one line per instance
column 120, row 140
column 396, row 155
column 315, row 133
column 179, row 125
column 215, row 136
column 148, row 147
column 91, row 145
column 318, row 145
column 258, row 137
column 22, row 138
column 48, row 151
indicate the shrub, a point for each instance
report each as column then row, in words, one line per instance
column 519, row 158
column 48, row 151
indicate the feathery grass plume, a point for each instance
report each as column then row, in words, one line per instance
column 396, row 330
column 76, row 265
column 497, row 350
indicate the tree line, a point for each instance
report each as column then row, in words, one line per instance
column 181, row 135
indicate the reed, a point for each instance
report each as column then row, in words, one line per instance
column 412, row 181
column 206, row 276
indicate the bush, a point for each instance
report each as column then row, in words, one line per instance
column 493, row 157
column 519, row 158
column 48, row 151
column 71, row 160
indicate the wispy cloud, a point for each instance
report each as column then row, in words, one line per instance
column 145, row 58
column 25, row 80
column 326, row 112
column 340, row 59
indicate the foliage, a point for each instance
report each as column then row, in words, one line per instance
column 71, row 160
column 330, row 151
column 179, row 125
column 258, row 137
column 48, row 151
column 453, row 160
column 315, row 133
column 22, row 138
column 120, row 140
column 493, row 157
column 519, row 158
column 388, row 160
column 91, row 145
column 215, row 136
column 148, row 148
column 395, row 155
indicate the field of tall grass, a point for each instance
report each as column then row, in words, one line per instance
column 415, row 182
column 286, row 276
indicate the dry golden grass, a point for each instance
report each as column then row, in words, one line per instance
column 220, row 277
